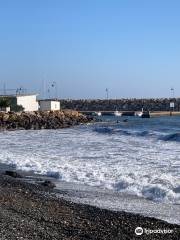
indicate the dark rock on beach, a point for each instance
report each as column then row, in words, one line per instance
column 13, row 174
column 48, row 183
column 41, row 120
column 31, row 211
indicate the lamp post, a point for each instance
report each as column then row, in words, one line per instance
column 54, row 85
column 172, row 92
column 172, row 102
column 107, row 93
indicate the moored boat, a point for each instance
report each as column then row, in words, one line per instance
column 98, row 114
column 117, row 114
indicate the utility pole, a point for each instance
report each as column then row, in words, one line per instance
column 172, row 92
column 43, row 90
column 107, row 93
column 4, row 88
column 54, row 85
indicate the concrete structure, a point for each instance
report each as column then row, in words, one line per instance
column 49, row 105
column 5, row 109
column 27, row 101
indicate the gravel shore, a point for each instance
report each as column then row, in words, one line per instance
column 30, row 211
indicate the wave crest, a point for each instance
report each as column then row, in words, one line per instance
column 171, row 137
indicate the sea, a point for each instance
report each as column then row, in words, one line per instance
column 117, row 156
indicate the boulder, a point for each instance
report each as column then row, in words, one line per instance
column 41, row 120
column 48, row 183
column 13, row 174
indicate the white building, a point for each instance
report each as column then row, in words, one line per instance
column 49, row 105
column 27, row 101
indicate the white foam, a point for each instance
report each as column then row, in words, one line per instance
column 126, row 163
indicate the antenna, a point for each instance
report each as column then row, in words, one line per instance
column 48, row 91
column 4, row 88
column 54, row 85
column 43, row 89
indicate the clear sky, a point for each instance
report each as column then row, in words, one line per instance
column 131, row 47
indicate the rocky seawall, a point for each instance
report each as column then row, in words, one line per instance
column 153, row 104
column 41, row 120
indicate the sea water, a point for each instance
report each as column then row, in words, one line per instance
column 136, row 156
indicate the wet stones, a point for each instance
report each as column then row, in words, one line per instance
column 48, row 184
column 13, row 174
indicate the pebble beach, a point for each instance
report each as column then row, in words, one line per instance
column 32, row 211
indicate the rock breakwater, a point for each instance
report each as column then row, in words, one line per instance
column 41, row 120
column 151, row 104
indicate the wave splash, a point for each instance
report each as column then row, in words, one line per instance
column 175, row 137
column 130, row 159
column 139, row 133
column 159, row 189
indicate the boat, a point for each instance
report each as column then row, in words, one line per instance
column 139, row 114
column 98, row 114
column 117, row 114
column 143, row 114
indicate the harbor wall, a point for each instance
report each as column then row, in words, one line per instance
column 153, row 104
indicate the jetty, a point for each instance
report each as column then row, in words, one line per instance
column 133, row 113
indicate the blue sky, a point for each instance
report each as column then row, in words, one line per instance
column 131, row 47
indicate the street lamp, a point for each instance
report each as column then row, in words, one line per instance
column 172, row 92
column 54, row 85
column 107, row 93
column 172, row 102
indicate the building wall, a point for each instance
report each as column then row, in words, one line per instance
column 55, row 105
column 45, row 105
column 49, row 105
column 29, row 103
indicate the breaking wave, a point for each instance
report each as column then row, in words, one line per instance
column 130, row 158
column 127, row 132
column 171, row 137
column 111, row 130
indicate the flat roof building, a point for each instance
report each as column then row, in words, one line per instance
column 27, row 101
column 49, row 105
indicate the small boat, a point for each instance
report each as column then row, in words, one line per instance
column 139, row 114
column 98, row 114
column 117, row 114
column 143, row 114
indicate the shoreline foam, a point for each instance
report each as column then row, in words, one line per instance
column 30, row 211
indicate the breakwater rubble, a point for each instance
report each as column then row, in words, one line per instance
column 133, row 104
column 41, row 120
